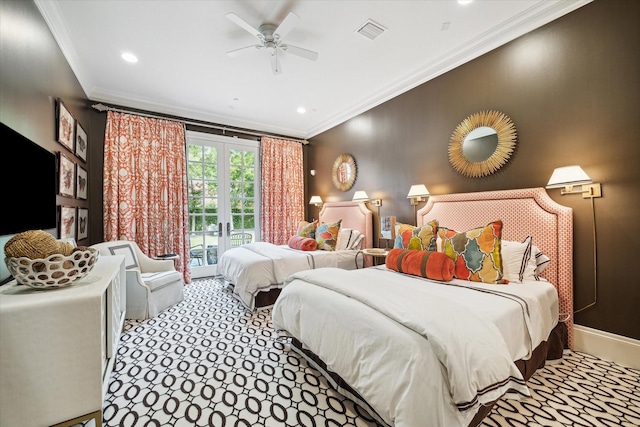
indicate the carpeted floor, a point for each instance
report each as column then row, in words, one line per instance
column 209, row 362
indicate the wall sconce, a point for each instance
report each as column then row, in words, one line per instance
column 316, row 201
column 567, row 177
column 417, row 193
column 570, row 176
column 361, row 196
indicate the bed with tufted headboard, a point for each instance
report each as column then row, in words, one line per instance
column 255, row 271
column 416, row 349
column 524, row 212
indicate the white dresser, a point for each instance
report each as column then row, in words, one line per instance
column 58, row 347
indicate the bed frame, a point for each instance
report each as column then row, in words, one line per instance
column 354, row 215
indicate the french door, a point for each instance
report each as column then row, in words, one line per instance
column 223, row 178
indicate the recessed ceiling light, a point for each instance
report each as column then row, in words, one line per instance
column 464, row 1
column 302, row 110
column 129, row 57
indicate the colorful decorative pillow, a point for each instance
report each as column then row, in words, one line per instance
column 327, row 235
column 515, row 260
column 307, row 229
column 302, row 243
column 476, row 253
column 432, row 265
column 417, row 238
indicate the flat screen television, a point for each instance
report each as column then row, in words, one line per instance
column 28, row 175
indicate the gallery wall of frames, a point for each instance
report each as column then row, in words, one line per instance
column 72, row 174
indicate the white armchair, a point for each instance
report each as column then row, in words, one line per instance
column 152, row 285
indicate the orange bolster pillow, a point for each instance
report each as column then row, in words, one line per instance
column 303, row 243
column 432, row 265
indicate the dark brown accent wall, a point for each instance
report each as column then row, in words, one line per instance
column 571, row 88
column 33, row 73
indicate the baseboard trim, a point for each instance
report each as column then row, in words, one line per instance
column 605, row 345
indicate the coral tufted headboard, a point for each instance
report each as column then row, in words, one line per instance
column 524, row 212
column 354, row 215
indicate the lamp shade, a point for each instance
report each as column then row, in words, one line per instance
column 417, row 191
column 568, row 175
column 360, row 196
column 315, row 200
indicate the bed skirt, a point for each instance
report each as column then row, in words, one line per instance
column 550, row 350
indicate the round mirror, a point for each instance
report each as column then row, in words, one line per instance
column 482, row 143
column 344, row 172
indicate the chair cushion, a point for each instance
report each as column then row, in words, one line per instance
column 161, row 279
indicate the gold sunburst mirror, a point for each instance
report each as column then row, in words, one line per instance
column 482, row 143
column 344, row 172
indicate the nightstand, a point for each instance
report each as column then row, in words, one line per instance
column 376, row 254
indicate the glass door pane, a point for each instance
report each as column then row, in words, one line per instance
column 222, row 185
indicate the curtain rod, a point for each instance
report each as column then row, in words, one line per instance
column 101, row 107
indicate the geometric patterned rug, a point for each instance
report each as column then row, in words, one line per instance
column 209, row 362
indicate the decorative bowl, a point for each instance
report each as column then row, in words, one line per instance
column 56, row 271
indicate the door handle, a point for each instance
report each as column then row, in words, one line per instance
column 228, row 229
column 219, row 229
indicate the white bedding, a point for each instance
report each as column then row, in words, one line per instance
column 260, row 266
column 375, row 338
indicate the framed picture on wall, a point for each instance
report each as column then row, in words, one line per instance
column 66, row 175
column 81, row 182
column 67, row 222
column 81, row 142
column 83, row 223
column 65, row 128
column 388, row 227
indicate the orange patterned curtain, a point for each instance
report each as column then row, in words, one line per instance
column 282, row 189
column 145, row 185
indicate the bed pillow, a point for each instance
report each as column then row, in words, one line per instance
column 515, row 260
column 302, row 243
column 327, row 235
column 539, row 262
column 477, row 253
column 307, row 229
column 417, row 238
column 348, row 239
column 432, row 265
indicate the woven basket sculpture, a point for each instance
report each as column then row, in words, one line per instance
column 36, row 259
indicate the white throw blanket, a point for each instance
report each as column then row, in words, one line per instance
column 477, row 366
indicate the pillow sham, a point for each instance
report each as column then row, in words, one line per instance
column 476, row 253
column 307, row 229
column 515, row 259
column 348, row 239
column 417, row 238
column 327, row 235
column 540, row 262
column 302, row 243
column 429, row 264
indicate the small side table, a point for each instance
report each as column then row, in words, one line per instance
column 174, row 257
column 376, row 254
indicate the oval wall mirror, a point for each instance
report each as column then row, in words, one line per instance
column 344, row 172
column 482, row 143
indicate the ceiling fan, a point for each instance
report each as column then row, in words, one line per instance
column 270, row 39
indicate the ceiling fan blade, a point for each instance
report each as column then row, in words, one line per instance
column 287, row 25
column 238, row 52
column 275, row 63
column 298, row 51
column 242, row 23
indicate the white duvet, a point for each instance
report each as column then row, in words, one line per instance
column 261, row 266
column 420, row 353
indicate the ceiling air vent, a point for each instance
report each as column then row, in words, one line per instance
column 371, row 30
